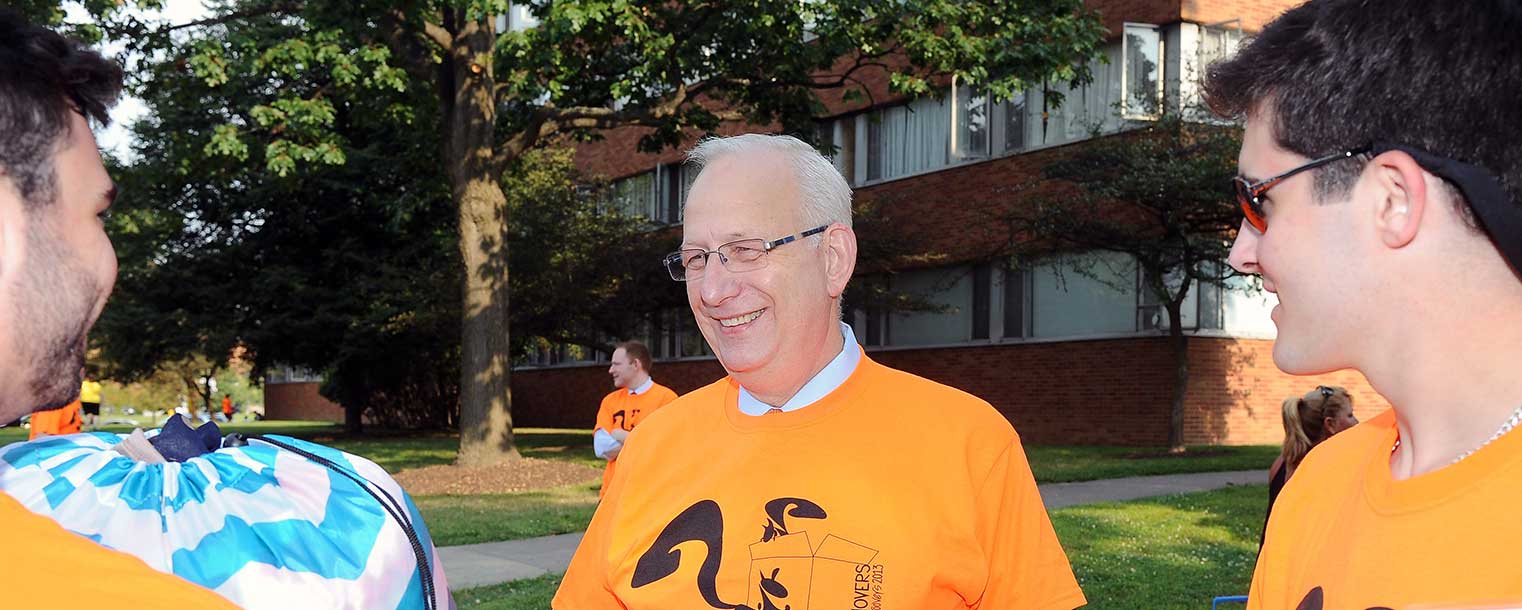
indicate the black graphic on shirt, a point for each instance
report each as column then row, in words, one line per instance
column 789, row 571
column 777, row 513
column 1313, row 601
column 701, row 522
column 770, row 585
column 618, row 420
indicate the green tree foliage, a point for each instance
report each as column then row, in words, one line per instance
column 1160, row 195
column 302, row 68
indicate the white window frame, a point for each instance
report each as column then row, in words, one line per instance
column 1127, row 112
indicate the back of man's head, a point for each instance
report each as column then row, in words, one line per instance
column 44, row 77
column 1332, row 75
column 637, row 352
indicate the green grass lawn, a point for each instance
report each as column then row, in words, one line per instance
column 396, row 451
column 1058, row 464
column 531, row 594
column 1173, row 552
column 492, row 517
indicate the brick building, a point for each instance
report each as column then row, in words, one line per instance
column 292, row 393
column 1067, row 358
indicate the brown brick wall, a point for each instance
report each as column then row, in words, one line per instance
column 1254, row 13
column 1105, row 392
column 567, row 397
column 299, row 401
column 1235, row 392
column 1115, row 13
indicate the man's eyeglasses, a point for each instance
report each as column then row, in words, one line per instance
column 1250, row 194
column 736, row 256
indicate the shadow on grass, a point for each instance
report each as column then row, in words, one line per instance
column 456, row 520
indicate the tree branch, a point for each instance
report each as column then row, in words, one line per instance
column 408, row 51
column 273, row 9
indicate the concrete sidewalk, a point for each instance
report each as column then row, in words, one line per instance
column 477, row 565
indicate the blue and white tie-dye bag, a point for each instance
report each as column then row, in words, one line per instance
column 266, row 527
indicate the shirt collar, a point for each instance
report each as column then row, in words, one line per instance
column 823, row 382
column 644, row 387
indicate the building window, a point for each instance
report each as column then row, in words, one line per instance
column 634, row 195
column 908, row 139
column 970, row 123
column 673, row 333
column 516, row 19
column 1085, row 294
column 837, row 141
column 1217, row 42
column 1201, row 307
column 556, row 354
column 673, row 180
column 1016, row 310
column 950, row 289
column 982, row 301
column 281, row 373
column 874, row 146
column 1015, row 137
column 1141, row 71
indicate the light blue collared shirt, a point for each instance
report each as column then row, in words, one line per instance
column 824, row 382
column 644, row 387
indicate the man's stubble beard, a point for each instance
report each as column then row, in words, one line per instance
column 54, row 314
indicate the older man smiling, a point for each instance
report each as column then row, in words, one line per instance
column 787, row 484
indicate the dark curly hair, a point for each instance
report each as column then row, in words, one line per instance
column 44, row 77
column 1443, row 77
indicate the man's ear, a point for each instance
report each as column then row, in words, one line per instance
column 1402, row 197
column 840, row 257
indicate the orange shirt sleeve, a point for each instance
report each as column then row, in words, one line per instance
column 1027, row 567
column 605, row 414
column 585, row 585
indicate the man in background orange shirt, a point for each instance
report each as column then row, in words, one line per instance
column 56, row 270
column 636, row 397
column 1381, row 181
column 53, row 422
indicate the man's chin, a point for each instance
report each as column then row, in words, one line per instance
column 1296, row 361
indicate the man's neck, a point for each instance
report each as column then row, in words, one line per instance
column 778, row 394
column 1453, row 380
column 637, row 382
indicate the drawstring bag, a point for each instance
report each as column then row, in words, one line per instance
column 277, row 523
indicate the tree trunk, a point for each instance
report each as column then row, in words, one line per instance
column 486, row 421
column 1180, row 344
column 354, row 420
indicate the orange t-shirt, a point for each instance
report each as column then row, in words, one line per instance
column 227, row 406
column 622, row 410
column 50, row 567
column 63, row 420
column 1345, row 534
column 890, row 492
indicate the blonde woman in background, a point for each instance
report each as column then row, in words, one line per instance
column 1308, row 420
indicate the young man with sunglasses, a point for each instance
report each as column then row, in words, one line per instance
column 1381, row 178
column 788, row 484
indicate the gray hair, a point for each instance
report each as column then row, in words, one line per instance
column 825, row 194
